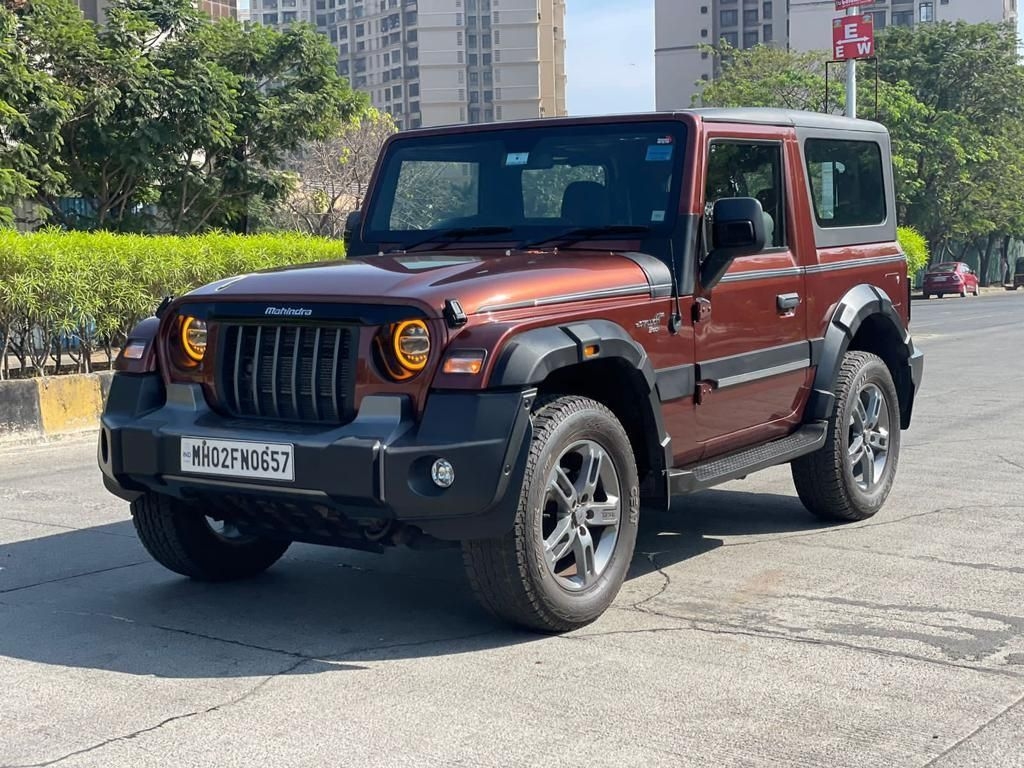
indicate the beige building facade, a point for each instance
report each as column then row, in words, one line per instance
column 684, row 26
column 440, row 62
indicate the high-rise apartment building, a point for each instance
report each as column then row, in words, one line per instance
column 437, row 62
column 96, row 10
column 683, row 27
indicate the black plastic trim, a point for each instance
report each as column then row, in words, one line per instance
column 859, row 303
column 677, row 382
column 657, row 272
column 385, row 453
column 256, row 311
column 722, row 469
column 751, row 366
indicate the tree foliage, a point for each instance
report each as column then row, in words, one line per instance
column 178, row 122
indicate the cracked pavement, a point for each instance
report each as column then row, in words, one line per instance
column 746, row 635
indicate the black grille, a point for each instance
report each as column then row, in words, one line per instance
column 289, row 372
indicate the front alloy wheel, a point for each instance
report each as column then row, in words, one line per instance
column 572, row 540
column 582, row 510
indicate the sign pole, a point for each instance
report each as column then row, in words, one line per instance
column 851, row 79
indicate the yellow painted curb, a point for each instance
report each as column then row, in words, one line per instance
column 69, row 403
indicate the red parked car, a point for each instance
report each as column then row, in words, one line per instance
column 951, row 277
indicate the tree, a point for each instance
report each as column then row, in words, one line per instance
column 178, row 122
column 765, row 76
column 286, row 91
column 33, row 107
column 333, row 174
column 971, row 86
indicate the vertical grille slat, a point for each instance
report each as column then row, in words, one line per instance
column 256, row 372
column 288, row 372
column 273, row 373
column 295, row 371
column 334, row 367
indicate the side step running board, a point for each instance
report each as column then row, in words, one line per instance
column 697, row 477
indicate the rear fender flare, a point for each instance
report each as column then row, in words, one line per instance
column 860, row 303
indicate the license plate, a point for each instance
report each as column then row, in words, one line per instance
column 237, row 458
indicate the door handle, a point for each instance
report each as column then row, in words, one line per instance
column 787, row 302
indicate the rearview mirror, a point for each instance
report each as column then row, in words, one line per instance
column 737, row 230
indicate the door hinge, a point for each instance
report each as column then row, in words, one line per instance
column 701, row 311
column 704, row 390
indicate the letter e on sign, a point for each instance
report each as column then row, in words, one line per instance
column 853, row 37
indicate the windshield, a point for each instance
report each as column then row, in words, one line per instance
column 944, row 268
column 530, row 185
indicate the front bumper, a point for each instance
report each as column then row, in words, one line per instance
column 375, row 468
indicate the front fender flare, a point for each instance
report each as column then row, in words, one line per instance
column 528, row 358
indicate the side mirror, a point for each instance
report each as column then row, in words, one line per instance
column 352, row 222
column 737, row 230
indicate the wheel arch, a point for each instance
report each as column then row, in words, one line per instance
column 555, row 360
column 865, row 320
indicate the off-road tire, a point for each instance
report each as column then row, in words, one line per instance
column 179, row 537
column 825, row 479
column 509, row 574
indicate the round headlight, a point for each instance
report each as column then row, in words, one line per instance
column 193, row 338
column 411, row 344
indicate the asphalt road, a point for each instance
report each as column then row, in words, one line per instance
column 746, row 635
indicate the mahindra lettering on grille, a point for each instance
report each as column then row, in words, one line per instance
column 289, row 372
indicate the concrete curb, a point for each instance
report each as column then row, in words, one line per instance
column 57, row 405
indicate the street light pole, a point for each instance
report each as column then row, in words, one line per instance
column 851, row 79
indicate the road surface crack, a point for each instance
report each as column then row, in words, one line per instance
column 693, row 625
column 956, row 745
column 167, row 721
column 652, row 557
column 72, row 577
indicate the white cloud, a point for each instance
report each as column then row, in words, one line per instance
column 610, row 56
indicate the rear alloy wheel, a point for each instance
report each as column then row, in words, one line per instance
column 182, row 539
column 565, row 559
column 849, row 478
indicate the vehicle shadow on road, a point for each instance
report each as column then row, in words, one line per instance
column 93, row 598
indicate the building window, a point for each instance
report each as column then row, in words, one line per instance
column 731, row 39
column 903, row 18
column 750, row 16
column 474, row 78
column 729, row 18
column 927, row 12
column 766, row 11
column 750, row 39
column 767, row 33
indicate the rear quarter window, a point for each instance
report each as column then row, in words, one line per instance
column 847, row 182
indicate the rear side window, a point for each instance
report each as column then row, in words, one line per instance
column 847, row 182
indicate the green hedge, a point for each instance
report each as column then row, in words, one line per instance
column 65, row 295
column 916, row 249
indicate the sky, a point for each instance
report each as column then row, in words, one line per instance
column 610, row 56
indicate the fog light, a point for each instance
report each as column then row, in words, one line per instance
column 442, row 473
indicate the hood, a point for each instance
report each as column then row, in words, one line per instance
column 481, row 281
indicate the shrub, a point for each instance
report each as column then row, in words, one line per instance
column 64, row 295
column 915, row 247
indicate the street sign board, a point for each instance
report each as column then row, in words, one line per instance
column 853, row 37
column 842, row 5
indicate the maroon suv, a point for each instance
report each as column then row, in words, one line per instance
column 542, row 329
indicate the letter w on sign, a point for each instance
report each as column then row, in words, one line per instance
column 853, row 37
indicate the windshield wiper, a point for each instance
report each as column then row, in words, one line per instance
column 456, row 234
column 573, row 236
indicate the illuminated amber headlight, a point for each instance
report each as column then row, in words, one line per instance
column 406, row 349
column 193, row 335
